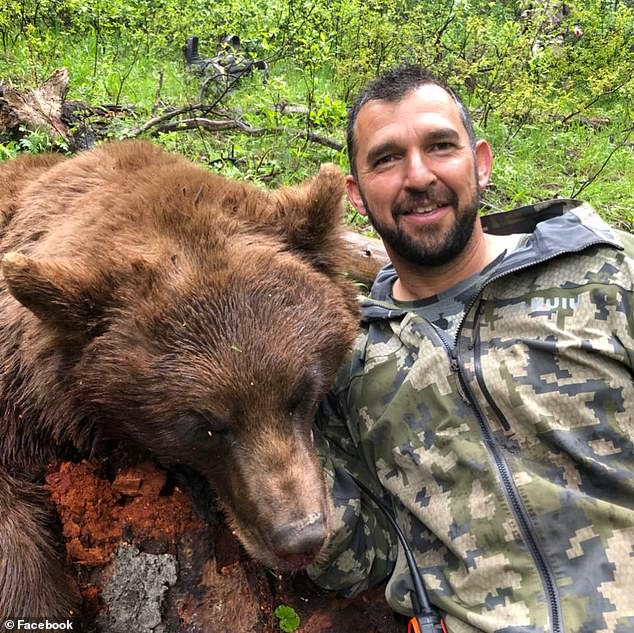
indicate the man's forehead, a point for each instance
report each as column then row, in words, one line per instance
column 428, row 100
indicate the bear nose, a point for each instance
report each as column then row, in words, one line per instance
column 300, row 538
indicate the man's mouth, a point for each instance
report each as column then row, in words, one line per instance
column 424, row 210
column 421, row 209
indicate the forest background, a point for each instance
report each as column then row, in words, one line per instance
column 549, row 84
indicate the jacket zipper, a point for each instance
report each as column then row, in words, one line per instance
column 480, row 376
column 523, row 519
column 515, row 502
column 509, row 488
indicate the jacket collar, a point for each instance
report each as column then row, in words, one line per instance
column 554, row 228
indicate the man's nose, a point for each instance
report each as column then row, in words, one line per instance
column 418, row 172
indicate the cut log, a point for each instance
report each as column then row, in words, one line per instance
column 367, row 256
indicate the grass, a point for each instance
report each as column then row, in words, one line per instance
column 532, row 162
column 595, row 164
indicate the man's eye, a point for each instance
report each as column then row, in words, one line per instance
column 385, row 160
column 444, row 146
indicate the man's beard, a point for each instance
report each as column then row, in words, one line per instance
column 428, row 250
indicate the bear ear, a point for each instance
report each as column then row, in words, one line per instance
column 310, row 214
column 59, row 292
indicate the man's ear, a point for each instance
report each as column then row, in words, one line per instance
column 484, row 163
column 61, row 292
column 354, row 195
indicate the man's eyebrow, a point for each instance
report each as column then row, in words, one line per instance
column 379, row 150
column 442, row 134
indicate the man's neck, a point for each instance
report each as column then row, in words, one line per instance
column 419, row 282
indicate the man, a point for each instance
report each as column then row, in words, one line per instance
column 489, row 400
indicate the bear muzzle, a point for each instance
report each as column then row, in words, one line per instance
column 298, row 543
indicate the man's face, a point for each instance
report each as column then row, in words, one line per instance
column 418, row 177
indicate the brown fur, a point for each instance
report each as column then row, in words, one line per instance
column 195, row 318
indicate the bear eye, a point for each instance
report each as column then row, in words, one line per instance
column 203, row 423
column 304, row 396
column 297, row 403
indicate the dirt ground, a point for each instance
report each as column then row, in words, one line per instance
column 145, row 562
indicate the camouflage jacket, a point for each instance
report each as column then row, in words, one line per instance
column 508, row 460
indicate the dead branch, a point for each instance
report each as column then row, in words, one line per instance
column 166, row 116
column 209, row 124
column 158, row 125
column 285, row 108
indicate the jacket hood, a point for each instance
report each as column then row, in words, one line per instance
column 555, row 227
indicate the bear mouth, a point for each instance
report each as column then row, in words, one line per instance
column 295, row 563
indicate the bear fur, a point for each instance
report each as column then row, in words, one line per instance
column 186, row 316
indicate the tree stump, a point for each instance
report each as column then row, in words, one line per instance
column 37, row 109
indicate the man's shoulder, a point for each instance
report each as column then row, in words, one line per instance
column 354, row 360
column 627, row 239
column 577, row 220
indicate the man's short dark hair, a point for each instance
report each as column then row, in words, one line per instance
column 393, row 85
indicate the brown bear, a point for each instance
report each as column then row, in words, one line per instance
column 192, row 318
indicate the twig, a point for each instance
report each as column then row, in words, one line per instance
column 210, row 124
column 165, row 117
column 222, row 81
column 592, row 101
column 590, row 180
column 123, row 79
column 157, row 94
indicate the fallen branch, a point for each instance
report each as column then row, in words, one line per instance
column 285, row 108
column 208, row 124
column 166, row 116
column 218, row 125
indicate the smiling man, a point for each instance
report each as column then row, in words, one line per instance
column 488, row 400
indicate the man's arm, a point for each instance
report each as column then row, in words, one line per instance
column 363, row 548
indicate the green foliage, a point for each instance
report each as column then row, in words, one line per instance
column 553, row 89
column 9, row 150
column 288, row 618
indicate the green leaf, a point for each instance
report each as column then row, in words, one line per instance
column 288, row 618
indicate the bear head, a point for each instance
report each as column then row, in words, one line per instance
column 208, row 343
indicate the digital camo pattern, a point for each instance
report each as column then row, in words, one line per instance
column 446, row 309
column 512, row 478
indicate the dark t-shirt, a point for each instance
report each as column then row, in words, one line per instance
column 446, row 310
